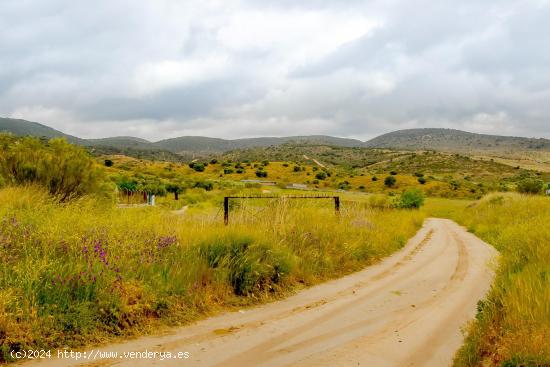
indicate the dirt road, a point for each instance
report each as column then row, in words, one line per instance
column 315, row 161
column 406, row 311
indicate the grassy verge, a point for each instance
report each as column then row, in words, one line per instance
column 83, row 272
column 512, row 327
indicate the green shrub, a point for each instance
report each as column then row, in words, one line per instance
column 421, row 180
column 261, row 173
column 199, row 167
column 390, row 181
column 250, row 268
column 344, row 185
column 208, row 186
column 530, row 186
column 64, row 169
column 321, row 175
column 411, row 199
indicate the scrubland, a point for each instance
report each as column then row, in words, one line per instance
column 75, row 269
column 80, row 272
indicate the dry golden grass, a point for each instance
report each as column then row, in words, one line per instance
column 513, row 323
column 85, row 271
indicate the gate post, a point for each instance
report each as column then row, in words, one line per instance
column 226, row 210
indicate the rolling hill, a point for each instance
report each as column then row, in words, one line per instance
column 24, row 128
column 214, row 145
column 121, row 142
column 454, row 141
column 180, row 145
column 447, row 140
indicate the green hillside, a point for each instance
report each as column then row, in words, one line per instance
column 455, row 141
column 28, row 128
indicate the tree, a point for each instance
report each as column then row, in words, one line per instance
column 421, row 180
column 390, row 181
column 530, row 186
column 175, row 189
column 153, row 188
column 261, row 173
column 108, row 163
column 321, row 175
column 411, row 199
column 128, row 186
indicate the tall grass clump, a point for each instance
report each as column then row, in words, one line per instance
column 512, row 327
column 81, row 271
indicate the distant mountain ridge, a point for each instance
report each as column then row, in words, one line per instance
column 454, row 140
column 183, row 144
column 24, row 127
column 410, row 139
column 205, row 144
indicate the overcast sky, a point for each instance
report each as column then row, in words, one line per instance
column 166, row 68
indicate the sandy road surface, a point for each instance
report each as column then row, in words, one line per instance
column 405, row 311
column 315, row 161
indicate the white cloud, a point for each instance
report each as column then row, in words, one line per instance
column 153, row 77
column 223, row 68
column 491, row 123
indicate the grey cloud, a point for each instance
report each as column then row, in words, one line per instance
column 141, row 67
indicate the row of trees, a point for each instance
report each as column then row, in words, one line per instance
column 160, row 188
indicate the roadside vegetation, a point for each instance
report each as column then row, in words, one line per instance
column 512, row 327
column 76, row 273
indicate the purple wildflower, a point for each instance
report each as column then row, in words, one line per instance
column 166, row 241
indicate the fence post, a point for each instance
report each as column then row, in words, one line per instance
column 226, row 210
column 337, row 204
